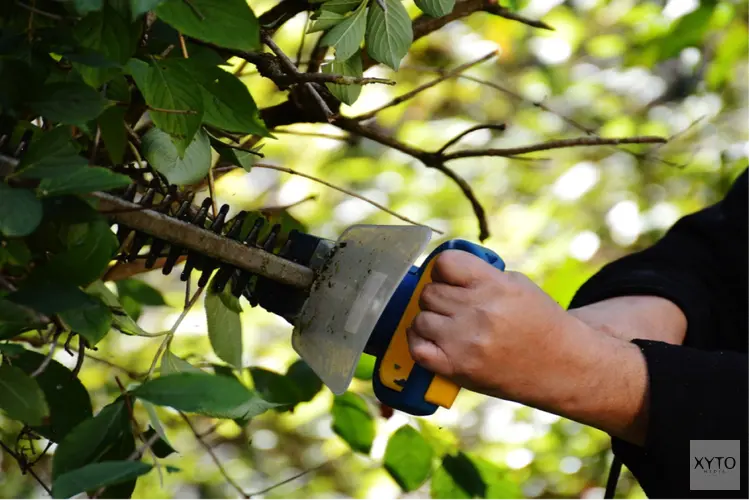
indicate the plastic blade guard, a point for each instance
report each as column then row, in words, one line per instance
column 349, row 296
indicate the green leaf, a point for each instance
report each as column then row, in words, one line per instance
column 305, row 380
column 171, row 363
column 353, row 422
column 89, row 248
column 93, row 476
column 389, row 33
column 67, row 398
column 436, row 8
column 156, row 423
column 83, row 7
column 161, row 448
column 83, row 180
column 234, row 156
column 274, row 386
column 464, row 476
column 68, row 102
column 224, row 325
column 91, row 321
column 347, row 94
column 227, row 23
column 139, row 7
column 340, row 6
column 49, row 297
column 211, row 395
column 140, row 291
column 133, row 294
column 92, row 439
column 324, row 19
column 458, row 477
column 169, row 85
column 115, row 136
column 229, row 105
column 120, row 320
column 346, row 36
column 688, row 31
column 15, row 319
column 21, row 398
column 20, row 211
column 11, row 350
column 110, row 34
column 162, row 154
column 408, row 458
column 51, row 154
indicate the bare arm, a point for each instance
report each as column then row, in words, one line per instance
column 635, row 317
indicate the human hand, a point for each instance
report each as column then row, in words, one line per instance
column 491, row 331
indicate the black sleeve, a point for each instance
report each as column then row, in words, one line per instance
column 697, row 391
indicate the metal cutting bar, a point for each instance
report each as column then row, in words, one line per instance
column 164, row 227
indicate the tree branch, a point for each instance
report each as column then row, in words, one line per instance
column 500, row 127
column 559, row 144
column 408, row 95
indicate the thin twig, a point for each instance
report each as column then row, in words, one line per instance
column 183, row 46
column 558, row 144
column 43, row 366
column 490, row 126
column 168, row 338
column 343, row 190
column 215, row 459
column 30, row 470
column 211, row 191
column 408, row 95
column 296, row 476
column 95, row 147
column 44, row 13
column 81, row 357
column 281, row 208
column 133, row 375
column 311, row 134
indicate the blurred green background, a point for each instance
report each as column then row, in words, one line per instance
column 623, row 67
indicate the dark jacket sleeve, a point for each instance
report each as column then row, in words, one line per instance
column 697, row 391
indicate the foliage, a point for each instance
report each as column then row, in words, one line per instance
column 98, row 94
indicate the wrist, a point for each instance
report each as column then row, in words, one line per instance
column 595, row 379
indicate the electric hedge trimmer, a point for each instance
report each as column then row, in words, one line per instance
column 357, row 294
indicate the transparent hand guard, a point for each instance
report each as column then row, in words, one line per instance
column 349, row 296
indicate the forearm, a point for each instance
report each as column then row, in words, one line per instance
column 595, row 379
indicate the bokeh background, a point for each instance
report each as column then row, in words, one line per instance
column 617, row 68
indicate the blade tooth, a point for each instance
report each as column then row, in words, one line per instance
column 140, row 238
column 210, row 264
column 224, row 274
column 192, row 259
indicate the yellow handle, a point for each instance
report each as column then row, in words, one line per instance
column 397, row 362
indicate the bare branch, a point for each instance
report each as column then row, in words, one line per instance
column 292, row 70
column 499, row 126
column 296, row 476
column 408, row 95
column 311, row 134
column 20, row 460
column 215, row 459
column 559, row 144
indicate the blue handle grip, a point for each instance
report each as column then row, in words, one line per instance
column 411, row 399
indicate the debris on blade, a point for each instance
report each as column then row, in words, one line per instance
column 349, row 295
